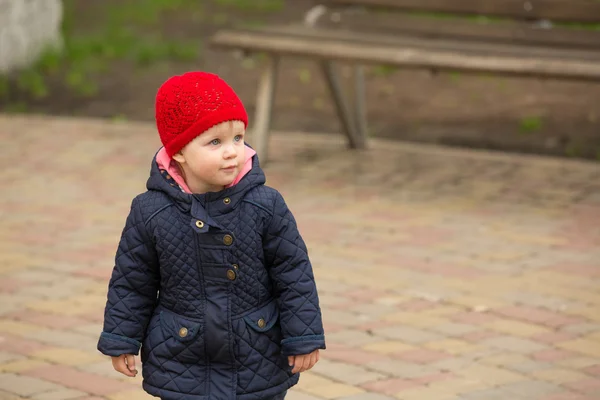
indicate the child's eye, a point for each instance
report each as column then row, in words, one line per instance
column 238, row 138
column 215, row 142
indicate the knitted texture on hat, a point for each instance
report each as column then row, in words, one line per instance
column 187, row 105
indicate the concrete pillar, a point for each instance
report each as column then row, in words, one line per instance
column 27, row 29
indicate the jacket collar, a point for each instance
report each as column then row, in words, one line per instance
column 211, row 204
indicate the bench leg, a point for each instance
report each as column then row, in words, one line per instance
column 359, row 94
column 264, row 106
column 344, row 111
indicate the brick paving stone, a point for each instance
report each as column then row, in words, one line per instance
column 24, row 385
column 46, row 320
column 568, row 396
column 67, row 356
column 427, row 379
column 7, row 357
column 514, row 344
column 454, row 329
column 472, row 317
column 138, row 394
column 93, row 330
column 402, row 369
column 364, row 396
column 516, row 328
column 505, row 359
column 456, row 386
column 553, row 337
column 490, row 375
column 22, row 365
column 582, row 346
column 412, row 319
column 391, row 386
column 528, row 367
column 78, row 380
column 581, row 329
column 352, row 338
column 389, row 347
column 333, row 390
column 453, row 364
column 63, row 338
column 593, row 336
column 422, row 356
column 345, row 373
column 11, row 285
column 61, row 394
column 452, row 346
column 351, row 355
column 9, row 396
column 538, row 316
column 559, row 376
column 594, row 370
column 297, row 395
column 552, row 355
column 19, row 345
column 531, row 389
column 577, row 362
column 408, row 334
column 416, row 305
column 496, row 393
column 477, row 336
column 587, row 386
column 103, row 368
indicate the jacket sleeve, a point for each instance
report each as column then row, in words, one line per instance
column 291, row 271
column 132, row 289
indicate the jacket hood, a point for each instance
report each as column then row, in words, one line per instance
column 211, row 200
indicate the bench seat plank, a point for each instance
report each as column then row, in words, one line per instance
column 414, row 52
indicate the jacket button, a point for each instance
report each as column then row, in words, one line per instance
column 183, row 332
column 200, row 224
column 228, row 240
column 261, row 323
column 231, row 275
column 235, row 266
column 226, row 200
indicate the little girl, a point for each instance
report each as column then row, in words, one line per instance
column 212, row 279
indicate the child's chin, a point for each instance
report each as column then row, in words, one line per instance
column 227, row 182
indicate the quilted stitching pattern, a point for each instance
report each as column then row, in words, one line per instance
column 161, row 253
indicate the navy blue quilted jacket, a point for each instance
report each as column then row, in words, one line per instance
column 216, row 289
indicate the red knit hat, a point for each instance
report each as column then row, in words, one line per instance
column 187, row 105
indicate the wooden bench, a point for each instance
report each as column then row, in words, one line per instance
column 516, row 37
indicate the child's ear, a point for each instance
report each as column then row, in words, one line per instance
column 179, row 157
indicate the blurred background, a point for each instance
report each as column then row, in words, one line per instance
column 116, row 53
column 445, row 271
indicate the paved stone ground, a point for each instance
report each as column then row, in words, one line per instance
column 443, row 274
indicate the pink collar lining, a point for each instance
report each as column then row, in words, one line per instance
column 166, row 163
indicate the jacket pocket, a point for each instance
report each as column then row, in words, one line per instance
column 264, row 318
column 174, row 338
column 174, row 355
column 180, row 328
column 258, row 348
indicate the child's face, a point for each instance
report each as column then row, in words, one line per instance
column 213, row 159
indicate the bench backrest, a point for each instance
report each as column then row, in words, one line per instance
column 555, row 10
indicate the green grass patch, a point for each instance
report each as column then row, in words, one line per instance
column 530, row 124
column 384, row 70
column 454, row 76
column 123, row 34
column 573, row 150
column 253, row 5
